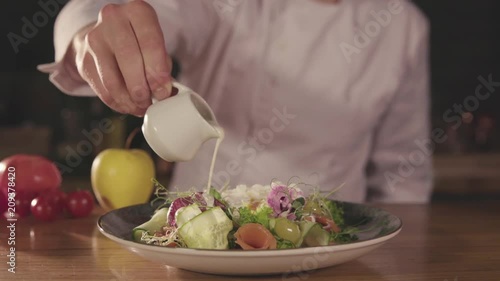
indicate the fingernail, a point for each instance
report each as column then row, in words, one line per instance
column 163, row 92
column 168, row 86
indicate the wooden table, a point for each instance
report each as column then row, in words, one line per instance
column 453, row 241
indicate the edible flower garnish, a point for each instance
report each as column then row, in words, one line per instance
column 280, row 200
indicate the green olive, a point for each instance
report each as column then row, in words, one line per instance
column 287, row 230
column 313, row 207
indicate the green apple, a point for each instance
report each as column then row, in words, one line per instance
column 122, row 177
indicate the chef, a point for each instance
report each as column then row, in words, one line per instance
column 332, row 92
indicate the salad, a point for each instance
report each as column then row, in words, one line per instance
column 258, row 217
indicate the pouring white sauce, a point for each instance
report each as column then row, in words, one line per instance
column 214, row 157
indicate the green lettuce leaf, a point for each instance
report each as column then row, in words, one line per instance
column 336, row 212
column 261, row 215
column 283, row 244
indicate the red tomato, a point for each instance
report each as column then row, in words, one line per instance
column 43, row 209
column 80, row 203
column 32, row 174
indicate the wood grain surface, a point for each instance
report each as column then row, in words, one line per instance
column 446, row 241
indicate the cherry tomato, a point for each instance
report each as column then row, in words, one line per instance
column 57, row 198
column 43, row 209
column 23, row 201
column 80, row 203
column 20, row 207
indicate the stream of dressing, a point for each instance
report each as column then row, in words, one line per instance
column 212, row 165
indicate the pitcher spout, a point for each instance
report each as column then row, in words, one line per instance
column 216, row 131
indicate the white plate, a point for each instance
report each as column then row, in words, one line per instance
column 377, row 227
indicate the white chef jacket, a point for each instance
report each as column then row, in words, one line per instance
column 330, row 93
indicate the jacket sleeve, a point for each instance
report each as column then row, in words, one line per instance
column 400, row 169
column 186, row 25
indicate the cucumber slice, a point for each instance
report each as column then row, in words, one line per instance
column 272, row 223
column 317, row 236
column 156, row 223
column 207, row 230
column 185, row 214
column 305, row 227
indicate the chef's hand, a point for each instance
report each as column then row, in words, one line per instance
column 123, row 57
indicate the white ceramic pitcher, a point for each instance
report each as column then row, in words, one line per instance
column 176, row 127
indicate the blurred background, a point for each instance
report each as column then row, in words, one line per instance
column 465, row 42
